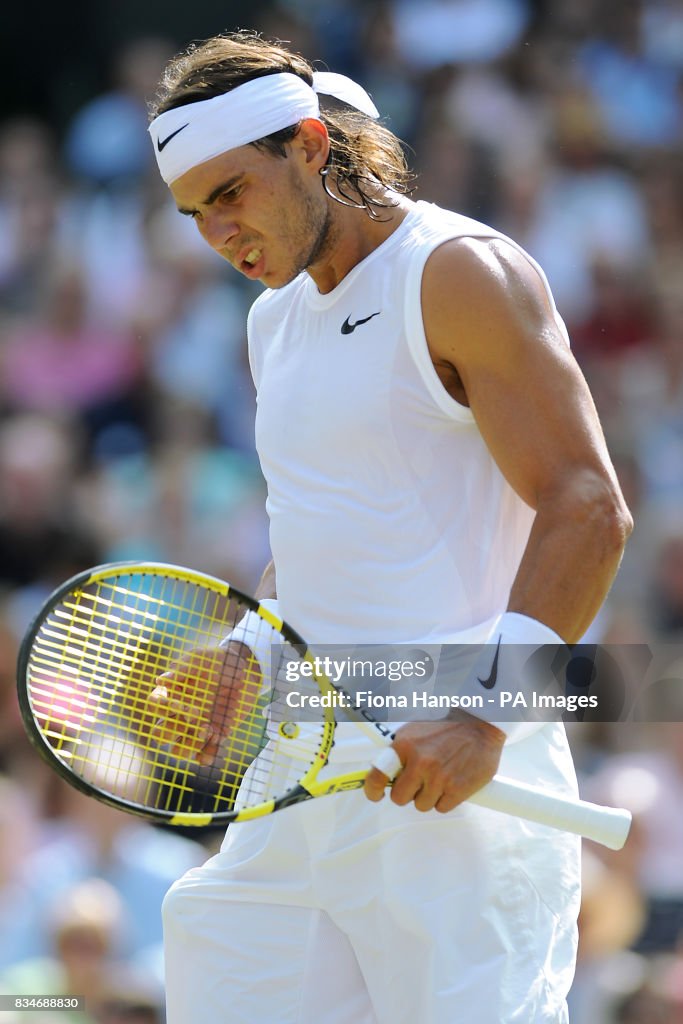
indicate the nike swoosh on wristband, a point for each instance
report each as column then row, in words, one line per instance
column 490, row 681
column 161, row 145
column 348, row 328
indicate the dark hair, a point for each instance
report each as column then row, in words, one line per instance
column 362, row 152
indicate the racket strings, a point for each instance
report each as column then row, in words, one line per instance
column 96, row 662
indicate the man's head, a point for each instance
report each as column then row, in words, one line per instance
column 239, row 119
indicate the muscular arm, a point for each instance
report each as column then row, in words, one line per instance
column 496, row 346
column 488, row 319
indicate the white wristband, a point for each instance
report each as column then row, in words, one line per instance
column 250, row 631
column 505, row 664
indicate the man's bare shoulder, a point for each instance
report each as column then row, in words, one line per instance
column 480, row 293
column 494, row 266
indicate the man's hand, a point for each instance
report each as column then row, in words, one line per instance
column 205, row 696
column 443, row 762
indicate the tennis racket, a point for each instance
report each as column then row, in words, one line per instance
column 126, row 675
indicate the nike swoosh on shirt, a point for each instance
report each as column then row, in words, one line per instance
column 348, row 328
column 161, row 145
column 490, row 681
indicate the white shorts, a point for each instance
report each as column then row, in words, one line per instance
column 341, row 911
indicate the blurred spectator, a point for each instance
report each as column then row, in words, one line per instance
column 450, row 172
column 652, row 390
column 451, row 31
column 611, row 918
column 90, row 840
column 650, row 783
column 84, row 930
column 650, row 992
column 637, row 93
column 18, row 759
column 297, row 22
column 31, row 192
column 619, row 319
column 115, row 184
column 115, row 275
column 66, row 360
column 42, row 536
column 189, row 500
column 499, row 106
column 662, row 28
column 193, row 321
column 667, row 588
column 385, row 72
column 107, row 140
column 19, row 835
column 583, row 208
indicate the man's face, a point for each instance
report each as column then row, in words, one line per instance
column 266, row 215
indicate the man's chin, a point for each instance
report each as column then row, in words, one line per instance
column 270, row 280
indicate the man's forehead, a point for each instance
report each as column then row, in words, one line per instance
column 197, row 184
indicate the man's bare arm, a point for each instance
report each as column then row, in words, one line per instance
column 487, row 315
column 496, row 345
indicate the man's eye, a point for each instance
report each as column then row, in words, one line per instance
column 231, row 195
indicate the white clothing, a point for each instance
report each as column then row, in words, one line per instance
column 390, row 523
column 389, row 520
column 345, row 912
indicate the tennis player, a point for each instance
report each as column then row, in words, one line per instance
column 436, row 474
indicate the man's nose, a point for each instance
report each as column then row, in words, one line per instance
column 218, row 230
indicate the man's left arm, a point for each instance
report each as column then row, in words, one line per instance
column 491, row 329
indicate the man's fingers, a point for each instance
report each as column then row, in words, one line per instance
column 201, row 699
column 428, row 797
column 162, row 702
column 447, row 801
column 422, row 781
column 375, row 784
column 407, row 786
column 385, row 767
column 388, row 762
column 176, row 724
column 203, row 747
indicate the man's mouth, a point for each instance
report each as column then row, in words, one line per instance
column 249, row 260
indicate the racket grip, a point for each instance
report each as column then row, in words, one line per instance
column 606, row 825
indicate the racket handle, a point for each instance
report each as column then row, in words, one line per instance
column 606, row 825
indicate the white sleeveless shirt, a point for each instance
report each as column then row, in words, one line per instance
column 389, row 520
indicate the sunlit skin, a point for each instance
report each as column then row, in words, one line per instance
column 250, row 200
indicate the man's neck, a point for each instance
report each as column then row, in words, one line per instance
column 355, row 235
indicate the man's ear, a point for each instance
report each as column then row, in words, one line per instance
column 315, row 142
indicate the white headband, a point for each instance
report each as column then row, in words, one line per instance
column 245, row 114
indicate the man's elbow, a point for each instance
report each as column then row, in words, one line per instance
column 618, row 525
column 600, row 504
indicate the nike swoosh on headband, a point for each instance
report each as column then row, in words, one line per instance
column 161, row 145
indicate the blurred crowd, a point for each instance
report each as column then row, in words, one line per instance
column 126, row 423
